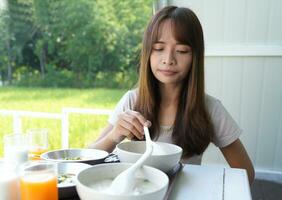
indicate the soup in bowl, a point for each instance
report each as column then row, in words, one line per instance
column 164, row 157
column 67, row 173
column 95, row 182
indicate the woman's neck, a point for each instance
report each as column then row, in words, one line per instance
column 168, row 105
column 169, row 94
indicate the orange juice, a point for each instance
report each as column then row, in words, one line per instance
column 39, row 187
column 34, row 153
column 38, row 142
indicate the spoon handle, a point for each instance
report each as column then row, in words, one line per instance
column 142, row 159
column 147, row 136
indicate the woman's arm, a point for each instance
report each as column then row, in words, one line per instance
column 237, row 157
column 104, row 142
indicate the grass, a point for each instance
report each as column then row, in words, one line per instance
column 82, row 128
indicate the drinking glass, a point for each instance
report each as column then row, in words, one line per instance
column 9, row 181
column 38, row 180
column 16, row 148
column 38, row 143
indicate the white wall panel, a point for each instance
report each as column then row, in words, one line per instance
column 213, row 76
column 213, row 21
column 278, row 154
column 231, row 83
column 274, row 23
column 257, row 18
column 270, row 113
column 251, row 90
column 234, row 19
column 241, row 21
column 251, row 102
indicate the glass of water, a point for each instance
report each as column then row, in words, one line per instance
column 16, row 148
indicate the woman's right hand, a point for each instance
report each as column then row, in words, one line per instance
column 129, row 125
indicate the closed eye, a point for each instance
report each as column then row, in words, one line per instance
column 157, row 49
column 182, row 51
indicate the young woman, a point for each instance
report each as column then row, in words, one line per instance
column 170, row 96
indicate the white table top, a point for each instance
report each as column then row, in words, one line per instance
column 211, row 182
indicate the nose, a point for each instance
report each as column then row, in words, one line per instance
column 168, row 59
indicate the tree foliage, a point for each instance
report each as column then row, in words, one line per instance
column 72, row 43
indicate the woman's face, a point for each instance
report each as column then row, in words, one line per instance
column 170, row 60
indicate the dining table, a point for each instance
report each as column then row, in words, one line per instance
column 206, row 182
column 201, row 182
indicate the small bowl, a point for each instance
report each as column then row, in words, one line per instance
column 131, row 151
column 97, row 173
column 67, row 190
column 88, row 156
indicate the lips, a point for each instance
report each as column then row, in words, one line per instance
column 167, row 72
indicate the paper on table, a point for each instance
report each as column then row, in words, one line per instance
column 239, row 178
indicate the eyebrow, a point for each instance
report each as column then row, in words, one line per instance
column 178, row 43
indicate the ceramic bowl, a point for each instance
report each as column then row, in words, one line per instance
column 70, row 171
column 97, row 173
column 164, row 157
column 88, row 156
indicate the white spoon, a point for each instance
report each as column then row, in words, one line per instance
column 157, row 148
column 147, row 137
column 125, row 181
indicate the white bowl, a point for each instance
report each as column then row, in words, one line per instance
column 97, row 173
column 164, row 157
column 88, row 156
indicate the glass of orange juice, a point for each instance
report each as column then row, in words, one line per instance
column 38, row 143
column 38, row 180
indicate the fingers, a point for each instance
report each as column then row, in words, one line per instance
column 132, row 120
column 148, row 123
column 133, row 128
column 130, row 136
column 141, row 119
column 133, row 123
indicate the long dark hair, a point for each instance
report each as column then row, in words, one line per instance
column 193, row 129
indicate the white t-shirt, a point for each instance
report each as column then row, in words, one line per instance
column 225, row 127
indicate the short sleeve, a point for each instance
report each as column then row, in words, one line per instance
column 125, row 103
column 225, row 127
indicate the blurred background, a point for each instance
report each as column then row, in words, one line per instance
column 84, row 54
column 67, row 53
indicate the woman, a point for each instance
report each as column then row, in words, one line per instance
column 170, row 96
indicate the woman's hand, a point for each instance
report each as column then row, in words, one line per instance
column 129, row 125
